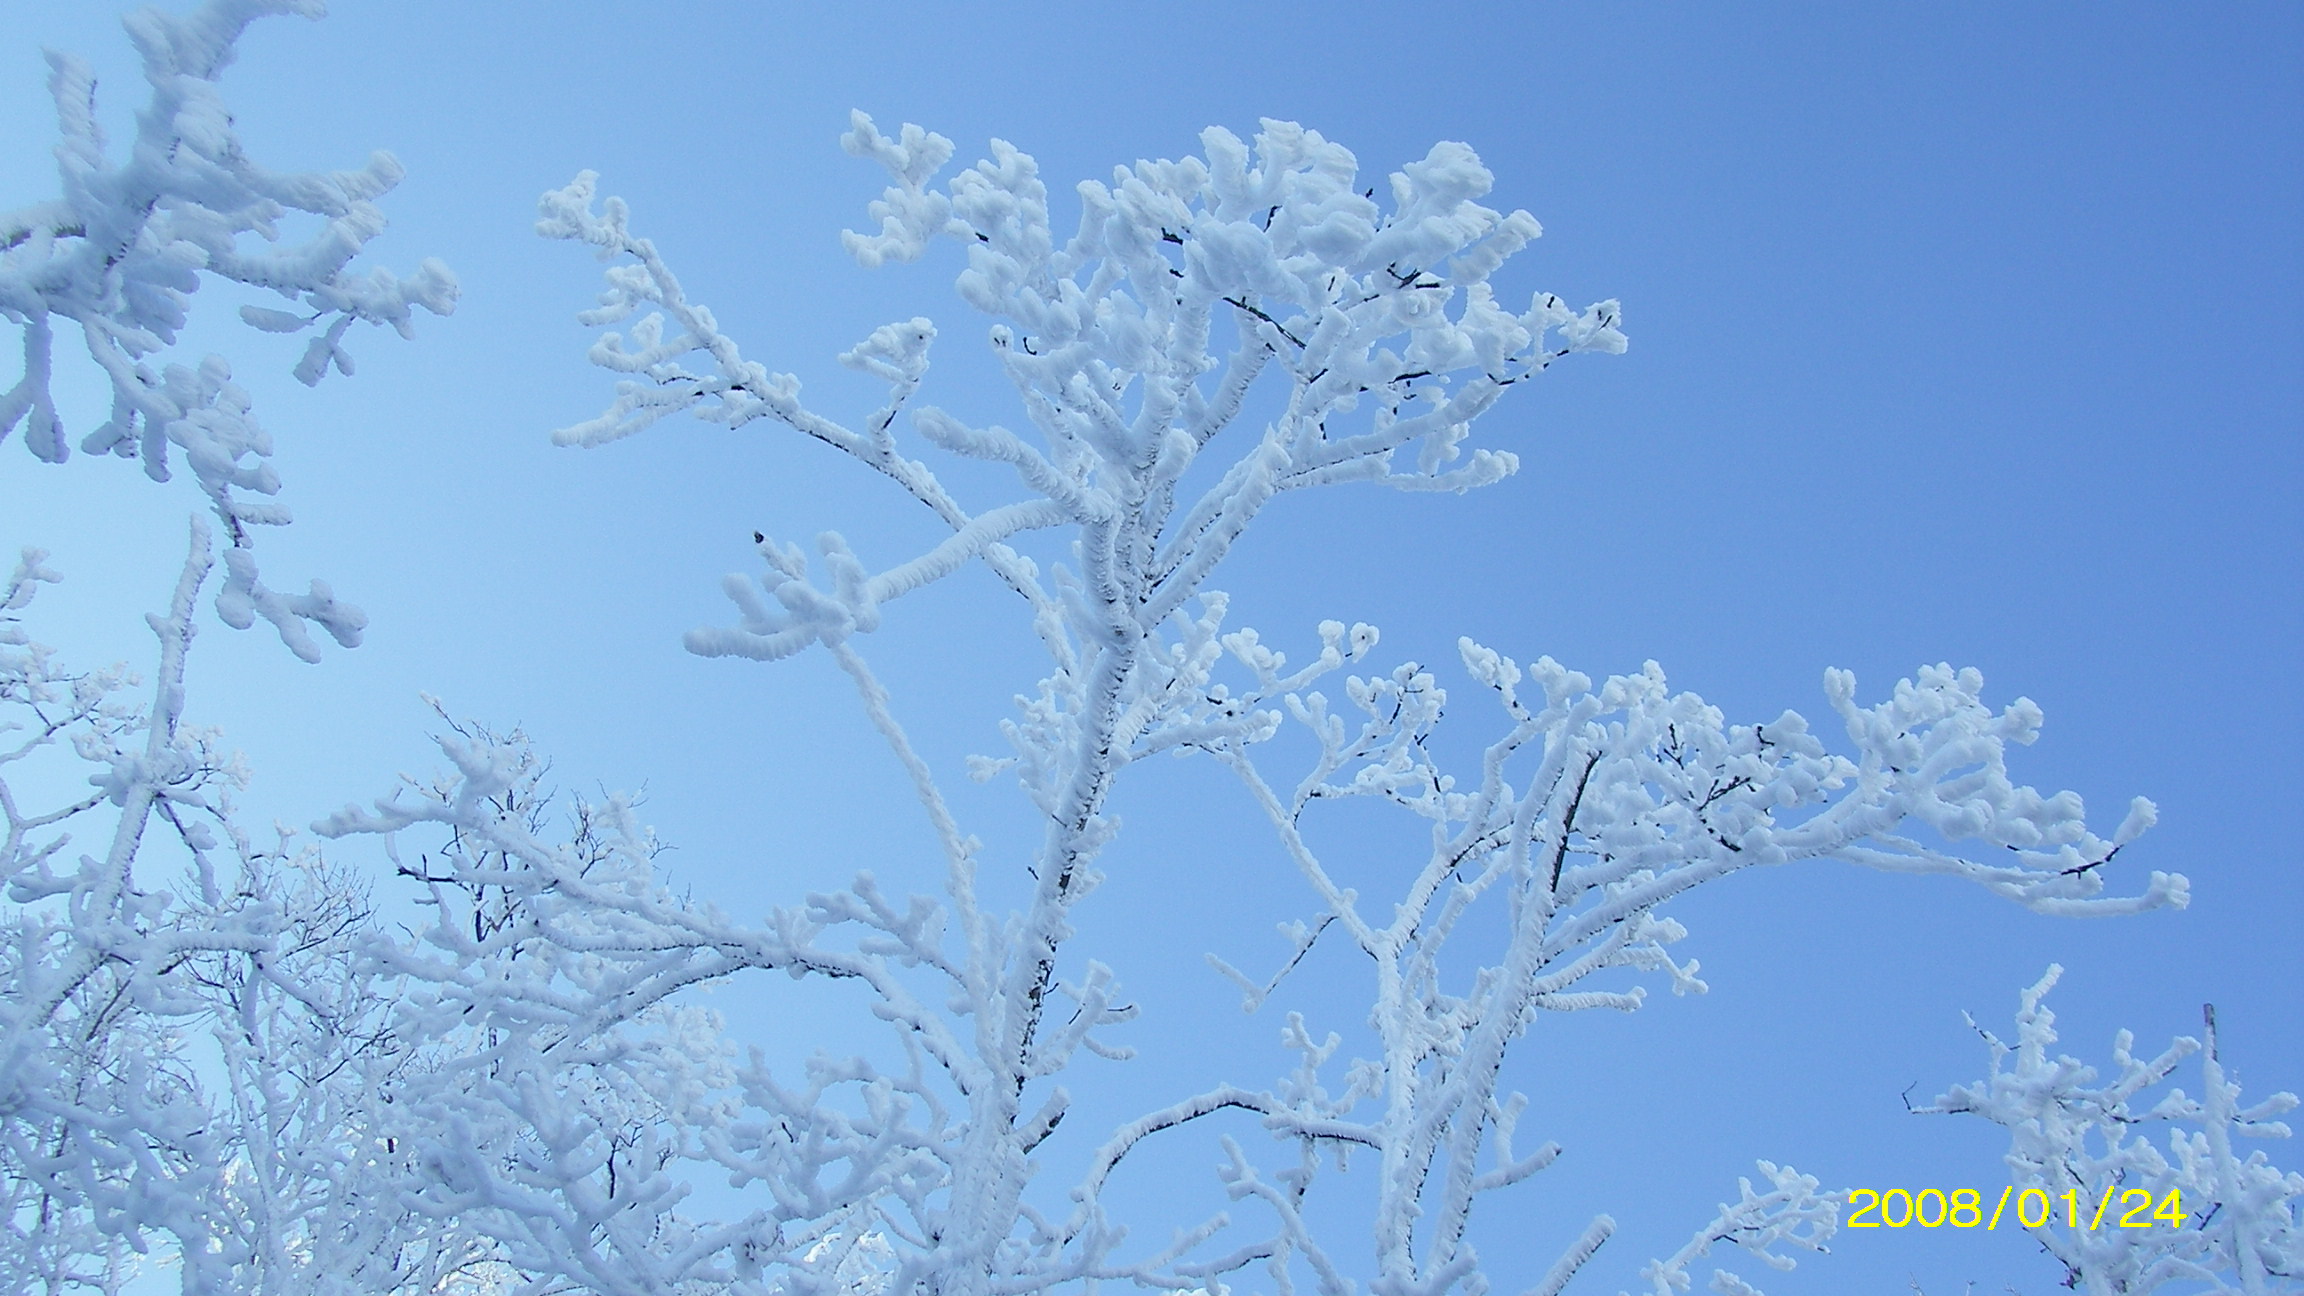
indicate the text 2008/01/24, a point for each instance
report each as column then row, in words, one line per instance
column 2035, row 1208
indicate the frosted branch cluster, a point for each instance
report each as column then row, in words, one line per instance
column 1792, row 1212
column 194, row 1048
column 117, row 256
column 2241, row 1229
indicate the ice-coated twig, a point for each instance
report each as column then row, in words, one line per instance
column 1573, row 1260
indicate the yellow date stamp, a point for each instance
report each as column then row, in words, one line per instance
column 1962, row 1208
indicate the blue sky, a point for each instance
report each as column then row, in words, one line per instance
column 1959, row 332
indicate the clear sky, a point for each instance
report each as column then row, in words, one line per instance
column 1959, row 332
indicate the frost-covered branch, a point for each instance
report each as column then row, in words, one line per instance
column 116, row 258
column 1792, row 1212
column 2200, row 1211
column 1595, row 808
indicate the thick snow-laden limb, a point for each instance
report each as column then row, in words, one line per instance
column 2241, row 1229
column 1134, row 348
column 194, row 1051
column 117, row 256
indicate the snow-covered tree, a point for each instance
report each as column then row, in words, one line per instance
column 211, row 1049
column 1259, row 275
